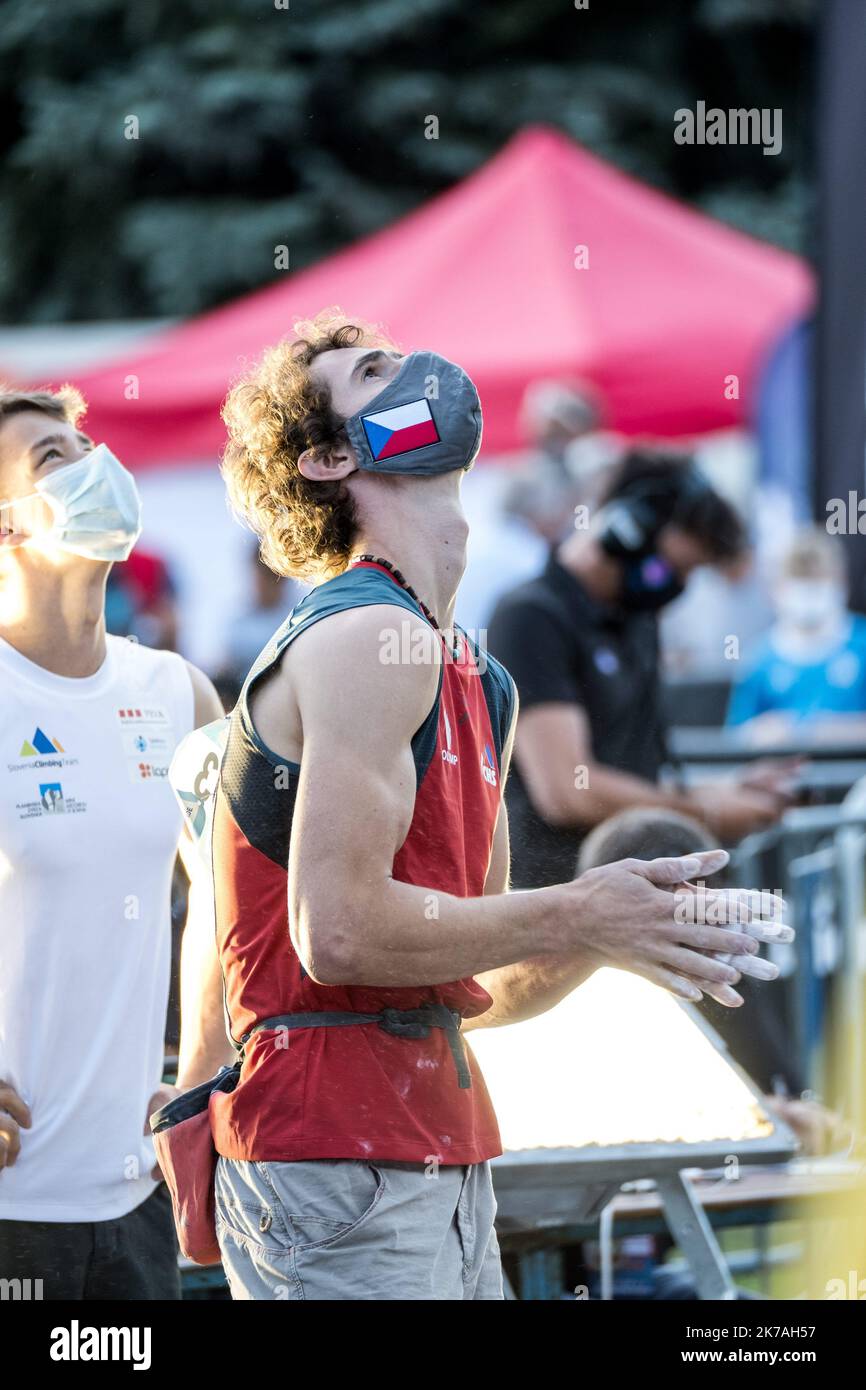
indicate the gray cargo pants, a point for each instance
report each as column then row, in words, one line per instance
column 346, row 1229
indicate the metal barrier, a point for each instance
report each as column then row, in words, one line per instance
column 816, row 857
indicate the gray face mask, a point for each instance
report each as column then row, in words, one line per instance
column 426, row 421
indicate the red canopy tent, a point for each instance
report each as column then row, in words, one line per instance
column 669, row 305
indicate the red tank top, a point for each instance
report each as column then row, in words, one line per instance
column 354, row 1092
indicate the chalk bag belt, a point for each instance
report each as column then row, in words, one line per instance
column 400, row 1023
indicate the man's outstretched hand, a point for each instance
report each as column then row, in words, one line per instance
column 650, row 918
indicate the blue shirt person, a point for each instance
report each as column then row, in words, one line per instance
column 812, row 663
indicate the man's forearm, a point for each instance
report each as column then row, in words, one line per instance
column 352, row 928
column 530, row 987
column 397, row 934
column 204, row 1047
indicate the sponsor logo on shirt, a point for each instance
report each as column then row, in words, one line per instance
column 148, row 741
column 51, row 796
column 488, row 767
column 40, row 743
column 52, row 802
column 39, row 751
column 447, row 755
column 146, row 770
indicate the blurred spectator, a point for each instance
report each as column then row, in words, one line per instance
column 695, row 630
column 555, row 413
column 813, row 660
column 581, row 642
column 141, row 601
column 569, row 457
column 272, row 599
column 535, row 509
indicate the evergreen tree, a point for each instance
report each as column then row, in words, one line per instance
column 156, row 154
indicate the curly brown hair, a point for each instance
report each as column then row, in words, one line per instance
column 273, row 414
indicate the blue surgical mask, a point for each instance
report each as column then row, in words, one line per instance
column 95, row 505
column 426, row 421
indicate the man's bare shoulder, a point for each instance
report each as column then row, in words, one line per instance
column 379, row 658
column 365, row 631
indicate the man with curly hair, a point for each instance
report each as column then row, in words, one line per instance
column 360, row 850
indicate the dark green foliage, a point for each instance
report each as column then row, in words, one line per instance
column 261, row 126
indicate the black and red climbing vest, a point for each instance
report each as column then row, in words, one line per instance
column 384, row 1087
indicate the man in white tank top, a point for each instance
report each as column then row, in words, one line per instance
column 89, row 830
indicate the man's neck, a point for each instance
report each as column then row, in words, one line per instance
column 55, row 616
column 424, row 536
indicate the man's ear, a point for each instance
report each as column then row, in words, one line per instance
column 329, row 467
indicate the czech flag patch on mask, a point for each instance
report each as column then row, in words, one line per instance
column 401, row 429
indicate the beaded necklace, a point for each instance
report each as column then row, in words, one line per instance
column 404, row 584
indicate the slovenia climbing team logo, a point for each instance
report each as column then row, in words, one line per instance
column 39, row 751
column 40, row 743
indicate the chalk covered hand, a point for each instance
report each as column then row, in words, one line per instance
column 760, row 914
column 648, row 918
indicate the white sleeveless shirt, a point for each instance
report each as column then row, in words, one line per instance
column 88, row 833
